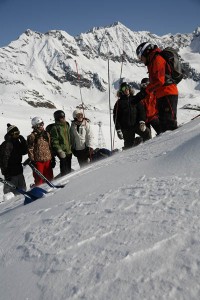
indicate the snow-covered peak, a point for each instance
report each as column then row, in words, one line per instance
column 40, row 69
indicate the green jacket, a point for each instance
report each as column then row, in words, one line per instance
column 60, row 137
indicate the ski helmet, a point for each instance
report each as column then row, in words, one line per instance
column 142, row 49
column 59, row 114
column 76, row 112
column 36, row 121
column 124, row 85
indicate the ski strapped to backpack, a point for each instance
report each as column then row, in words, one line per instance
column 173, row 59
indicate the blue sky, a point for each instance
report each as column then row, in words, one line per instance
column 78, row 16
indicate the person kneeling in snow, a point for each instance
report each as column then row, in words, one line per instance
column 12, row 150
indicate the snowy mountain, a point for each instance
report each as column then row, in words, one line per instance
column 50, row 70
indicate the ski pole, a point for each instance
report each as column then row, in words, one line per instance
column 80, row 87
column 30, row 196
column 109, row 103
column 28, row 162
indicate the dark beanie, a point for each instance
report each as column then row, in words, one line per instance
column 11, row 128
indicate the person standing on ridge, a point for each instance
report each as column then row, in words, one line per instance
column 160, row 85
column 150, row 105
column 81, row 138
column 60, row 140
column 129, row 118
column 39, row 150
column 12, row 150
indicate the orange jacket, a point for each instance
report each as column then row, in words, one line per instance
column 157, row 69
column 150, row 106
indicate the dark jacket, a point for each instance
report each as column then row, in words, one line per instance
column 126, row 114
column 12, row 150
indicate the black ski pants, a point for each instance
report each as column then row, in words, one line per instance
column 167, row 111
column 129, row 135
column 65, row 164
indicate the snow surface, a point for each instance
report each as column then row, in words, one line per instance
column 126, row 227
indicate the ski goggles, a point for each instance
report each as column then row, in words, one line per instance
column 79, row 115
column 124, row 88
column 40, row 125
column 144, row 85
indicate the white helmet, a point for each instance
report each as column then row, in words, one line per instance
column 35, row 121
column 76, row 112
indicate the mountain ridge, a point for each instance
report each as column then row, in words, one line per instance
column 46, row 70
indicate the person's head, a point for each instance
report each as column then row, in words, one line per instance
column 143, row 51
column 125, row 88
column 37, row 124
column 59, row 116
column 13, row 131
column 78, row 115
column 144, row 83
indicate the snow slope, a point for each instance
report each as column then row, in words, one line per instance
column 126, row 227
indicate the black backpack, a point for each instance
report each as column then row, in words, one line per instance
column 2, row 148
column 173, row 59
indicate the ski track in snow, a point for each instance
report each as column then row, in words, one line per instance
column 121, row 215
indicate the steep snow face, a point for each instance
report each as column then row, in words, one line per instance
column 126, row 227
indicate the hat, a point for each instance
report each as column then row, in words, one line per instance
column 125, row 85
column 11, row 128
column 58, row 114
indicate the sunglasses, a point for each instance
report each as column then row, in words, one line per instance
column 15, row 133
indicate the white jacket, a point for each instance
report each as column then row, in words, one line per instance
column 81, row 135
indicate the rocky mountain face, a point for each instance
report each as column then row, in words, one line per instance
column 40, row 68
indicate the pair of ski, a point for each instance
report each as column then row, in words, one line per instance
column 36, row 192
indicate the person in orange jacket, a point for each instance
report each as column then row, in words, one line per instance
column 164, row 89
column 150, row 105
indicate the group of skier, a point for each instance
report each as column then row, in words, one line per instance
column 43, row 145
column 155, row 105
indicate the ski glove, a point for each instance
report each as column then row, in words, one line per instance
column 61, row 154
column 120, row 134
column 142, row 126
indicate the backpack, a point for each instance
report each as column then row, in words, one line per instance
column 173, row 60
column 2, row 152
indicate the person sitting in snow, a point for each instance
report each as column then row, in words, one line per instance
column 12, row 150
column 39, row 150
column 81, row 138
column 129, row 118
